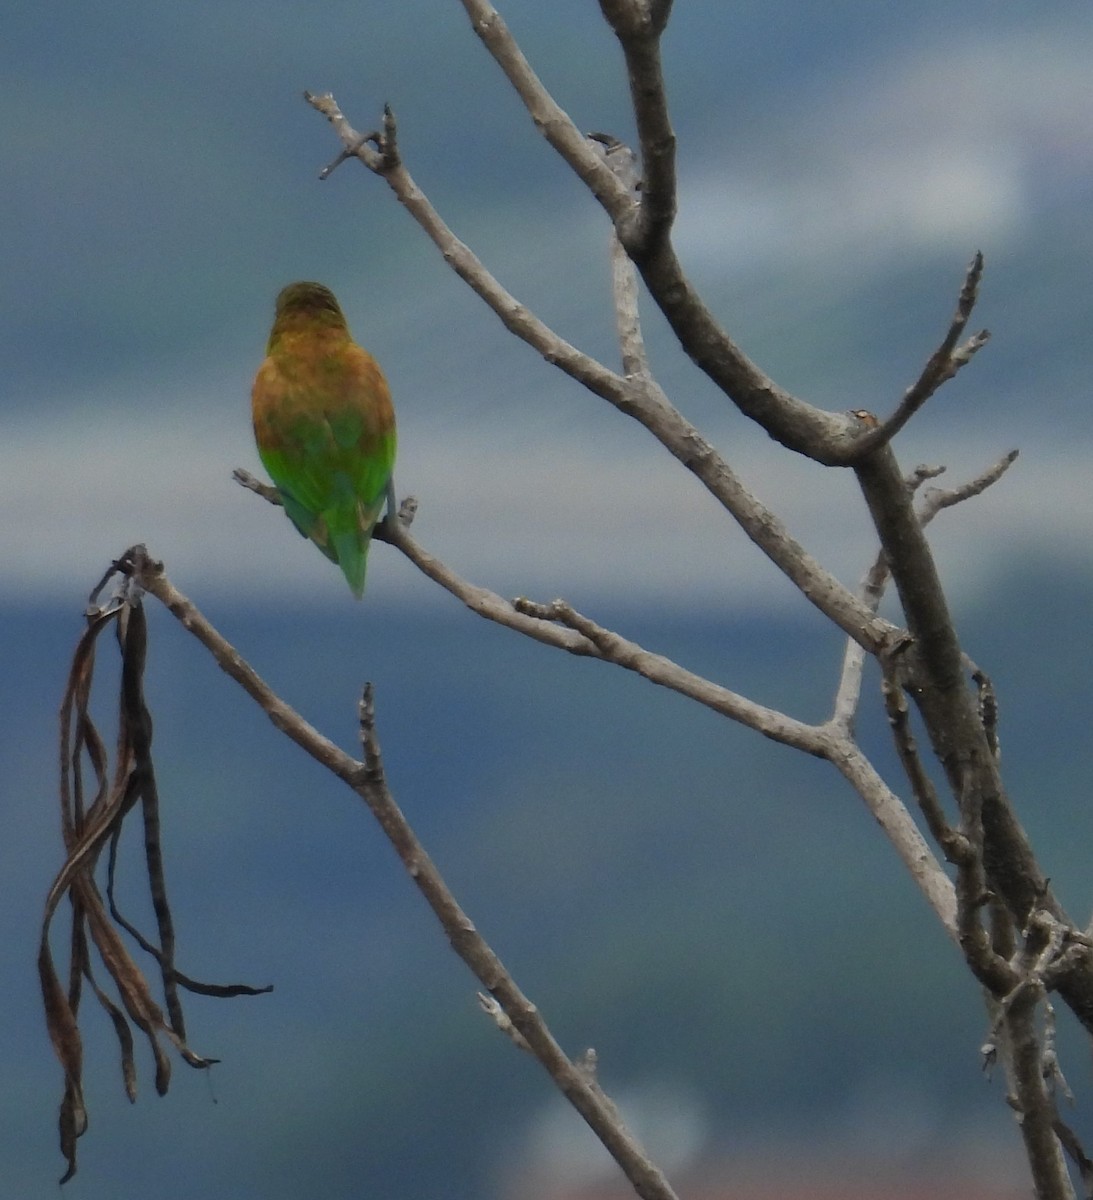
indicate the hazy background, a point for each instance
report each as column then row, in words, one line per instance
column 718, row 918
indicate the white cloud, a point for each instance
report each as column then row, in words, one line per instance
column 533, row 513
column 948, row 147
column 932, row 196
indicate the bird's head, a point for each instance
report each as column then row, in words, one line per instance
column 306, row 306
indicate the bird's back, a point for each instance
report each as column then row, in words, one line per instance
column 325, row 430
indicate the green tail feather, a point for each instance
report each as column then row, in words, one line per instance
column 351, row 551
column 305, row 522
column 349, row 528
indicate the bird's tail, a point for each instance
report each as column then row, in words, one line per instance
column 350, row 540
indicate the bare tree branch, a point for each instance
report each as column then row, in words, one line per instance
column 891, row 814
column 550, row 119
column 516, row 317
column 799, row 426
column 934, row 669
column 991, row 853
column 942, row 365
column 934, row 675
column 822, row 740
column 1031, row 1091
column 829, row 438
column 559, row 625
column 1015, row 936
column 613, row 648
column 871, row 590
column 367, row 780
column 937, row 683
column 646, row 404
column 937, row 499
column 624, row 279
column 638, row 27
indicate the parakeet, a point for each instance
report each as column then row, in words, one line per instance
column 325, row 427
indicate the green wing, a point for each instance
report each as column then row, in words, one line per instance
column 326, row 435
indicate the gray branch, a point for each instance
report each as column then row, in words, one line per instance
column 367, row 780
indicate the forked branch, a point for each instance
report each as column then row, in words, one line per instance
column 559, row 625
column 637, row 397
column 638, row 26
column 366, row 779
column 941, row 366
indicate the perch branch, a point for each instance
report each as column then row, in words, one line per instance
column 559, row 625
column 367, row 780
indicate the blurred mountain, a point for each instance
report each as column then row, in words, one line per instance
column 717, row 916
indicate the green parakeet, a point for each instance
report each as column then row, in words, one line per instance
column 325, row 427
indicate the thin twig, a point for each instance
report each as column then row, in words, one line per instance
column 347, row 152
column 937, row 499
column 516, row 317
column 871, row 590
column 614, row 648
column 500, row 1018
column 955, row 845
column 624, row 278
column 942, row 365
column 550, row 118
